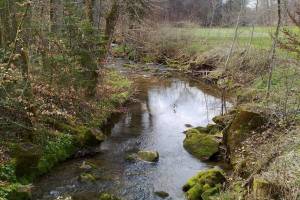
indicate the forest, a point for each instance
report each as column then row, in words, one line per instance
column 149, row 99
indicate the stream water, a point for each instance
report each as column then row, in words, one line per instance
column 156, row 121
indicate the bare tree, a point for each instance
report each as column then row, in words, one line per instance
column 274, row 46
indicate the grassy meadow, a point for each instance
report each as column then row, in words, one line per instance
column 195, row 40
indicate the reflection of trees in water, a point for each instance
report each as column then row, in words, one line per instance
column 181, row 93
column 167, row 95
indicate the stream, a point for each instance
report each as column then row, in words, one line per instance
column 155, row 121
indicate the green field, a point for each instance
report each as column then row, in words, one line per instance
column 198, row 39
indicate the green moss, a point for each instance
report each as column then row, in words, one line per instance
column 149, row 156
column 204, row 185
column 148, row 58
column 242, row 126
column 87, row 178
column 27, row 157
column 202, row 146
column 56, row 151
column 209, row 193
column 261, row 188
column 89, row 137
column 106, row 196
column 15, row 191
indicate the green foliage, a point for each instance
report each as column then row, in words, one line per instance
column 7, row 172
column 56, row 151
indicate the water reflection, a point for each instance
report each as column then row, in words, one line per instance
column 156, row 122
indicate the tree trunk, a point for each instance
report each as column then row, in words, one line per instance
column 53, row 5
column 274, row 46
column 111, row 22
column 89, row 10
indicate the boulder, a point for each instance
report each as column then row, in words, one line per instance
column 243, row 126
column 90, row 137
column 27, row 157
column 202, row 146
column 162, row 194
column 204, row 185
column 149, row 156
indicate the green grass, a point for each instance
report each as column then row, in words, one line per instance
column 199, row 40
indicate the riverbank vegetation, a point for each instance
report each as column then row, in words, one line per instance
column 56, row 93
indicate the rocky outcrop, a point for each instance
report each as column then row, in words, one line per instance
column 244, row 124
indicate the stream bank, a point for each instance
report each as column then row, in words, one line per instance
column 68, row 125
column 258, row 152
column 162, row 111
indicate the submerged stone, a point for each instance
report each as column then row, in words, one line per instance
column 162, row 194
column 202, row 146
column 149, row 156
column 107, row 196
column 204, row 185
column 87, row 178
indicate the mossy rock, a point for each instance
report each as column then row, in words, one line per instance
column 107, row 196
column 242, row 126
column 209, row 129
column 208, row 194
column 162, row 194
column 90, row 137
column 202, row 146
column 204, row 185
column 222, row 120
column 261, row 189
column 213, row 129
column 131, row 157
column 149, row 156
column 87, row 178
column 27, row 157
column 21, row 192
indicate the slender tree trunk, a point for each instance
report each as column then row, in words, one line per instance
column 111, row 22
column 274, row 46
column 53, row 7
column 89, row 10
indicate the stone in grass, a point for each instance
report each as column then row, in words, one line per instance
column 149, row 156
column 162, row 194
column 202, row 146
